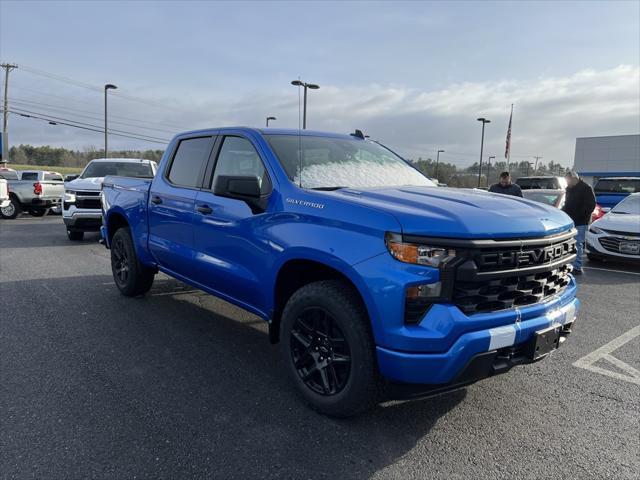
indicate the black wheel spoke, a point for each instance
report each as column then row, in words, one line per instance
column 300, row 337
column 340, row 358
column 324, row 376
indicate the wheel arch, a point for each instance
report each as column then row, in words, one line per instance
column 296, row 272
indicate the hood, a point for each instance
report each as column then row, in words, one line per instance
column 620, row 222
column 89, row 184
column 462, row 213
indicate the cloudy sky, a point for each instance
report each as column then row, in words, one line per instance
column 414, row 75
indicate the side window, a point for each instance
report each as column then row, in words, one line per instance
column 189, row 162
column 29, row 176
column 238, row 157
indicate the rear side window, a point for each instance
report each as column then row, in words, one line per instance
column 29, row 176
column 189, row 162
column 237, row 157
column 630, row 185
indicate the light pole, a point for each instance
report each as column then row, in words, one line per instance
column 306, row 85
column 489, row 168
column 108, row 86
column 438, row 161
column 483, row 120
column 270, row 118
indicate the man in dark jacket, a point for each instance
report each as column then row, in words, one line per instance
column 579, row 204
column 505, row 186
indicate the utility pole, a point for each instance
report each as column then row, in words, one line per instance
column 484, row 121
column 535, row 169
column 438, row 161
column 5, row 111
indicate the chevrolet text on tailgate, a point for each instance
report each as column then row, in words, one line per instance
column 369, row 275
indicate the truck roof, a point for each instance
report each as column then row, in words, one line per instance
column 127, row 160
column 275, row 131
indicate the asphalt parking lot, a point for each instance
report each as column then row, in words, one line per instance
column 178, row 384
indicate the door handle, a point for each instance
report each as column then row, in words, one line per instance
column 204, row 209
column 156, row 200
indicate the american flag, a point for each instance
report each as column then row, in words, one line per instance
column 508, row 146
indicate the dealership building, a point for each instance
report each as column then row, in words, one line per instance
column 614, row 156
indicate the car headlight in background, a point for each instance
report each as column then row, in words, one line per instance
column 595, row 230
column 69, row 196
column 428, row 255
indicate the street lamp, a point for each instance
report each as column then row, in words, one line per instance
column 306, row 85
column 489, row 168
column 270, row 118
column 108, row 86
column 438, row 161
column 483, row 120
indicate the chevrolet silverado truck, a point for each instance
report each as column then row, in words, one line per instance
column 82, row 208
column 33, row 191
column 367, row 273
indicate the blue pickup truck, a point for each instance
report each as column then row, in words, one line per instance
column 368, row 274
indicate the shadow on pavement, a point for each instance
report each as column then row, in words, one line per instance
column 171, row 385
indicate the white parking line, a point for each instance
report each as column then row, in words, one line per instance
column 612, row 270
column 630, row 375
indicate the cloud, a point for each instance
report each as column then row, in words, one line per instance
column 549, row 113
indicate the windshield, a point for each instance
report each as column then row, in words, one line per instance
column 612, row 185
column 542, row 197
column 121, row 169
column 539, row 183
column 329, row 162
column 630, row 205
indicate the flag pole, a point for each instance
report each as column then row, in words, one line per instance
column 509, row 141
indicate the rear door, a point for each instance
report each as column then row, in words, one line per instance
column 231, row 252
column 172, row 203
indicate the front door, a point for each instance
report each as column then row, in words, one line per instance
column 230, row 255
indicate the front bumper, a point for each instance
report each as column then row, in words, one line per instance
column 474, row 355
column 79, row 221
column 596, row 249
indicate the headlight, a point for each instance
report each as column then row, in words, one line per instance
column 429, row 255
column 595, row 230
column 69, row 196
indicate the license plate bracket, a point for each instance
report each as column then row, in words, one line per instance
column 632, row 248
column 544, row 342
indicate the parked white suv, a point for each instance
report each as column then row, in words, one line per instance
column 82, row 206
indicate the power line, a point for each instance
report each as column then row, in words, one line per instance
column 30, row 104
column 67, row 99
column 60, row 78
column 85, row 126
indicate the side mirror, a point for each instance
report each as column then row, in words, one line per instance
column 68, row 178
column 242, row 188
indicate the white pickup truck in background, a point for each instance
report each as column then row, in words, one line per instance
column 33, row 191
column 82, row 205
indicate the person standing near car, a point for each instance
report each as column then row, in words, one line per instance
column 579, row 203
column 505, row 186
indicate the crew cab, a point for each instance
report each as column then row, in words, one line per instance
column 34, row 191
column 81, row 209
column 368, row 274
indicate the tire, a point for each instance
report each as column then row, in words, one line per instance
column 12, row 210
column 38, row 212
column 325, row 328
column 131, row 277
column 75, row 235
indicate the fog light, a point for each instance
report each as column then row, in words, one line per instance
column 418, row 300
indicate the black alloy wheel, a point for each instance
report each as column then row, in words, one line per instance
column 121, row 261
column 320, row 352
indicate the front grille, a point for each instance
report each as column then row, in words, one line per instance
column 509, row 292
column 88, row 200
column 612, row 244
column 619, row 232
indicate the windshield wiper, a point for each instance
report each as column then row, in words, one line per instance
column 327, row 188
